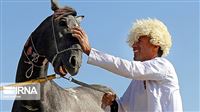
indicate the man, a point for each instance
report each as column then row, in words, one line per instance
column 154, row 86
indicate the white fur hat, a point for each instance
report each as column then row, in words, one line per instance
column 153, row 28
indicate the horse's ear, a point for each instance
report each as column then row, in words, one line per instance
column 54, row 5
column 79, row 18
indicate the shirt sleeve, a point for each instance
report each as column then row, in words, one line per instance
column 154, row 69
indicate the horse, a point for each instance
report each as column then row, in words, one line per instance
column 52, row 43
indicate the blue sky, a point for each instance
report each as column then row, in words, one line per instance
column 107, row 24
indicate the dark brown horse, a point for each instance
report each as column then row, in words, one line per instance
column 52, row 42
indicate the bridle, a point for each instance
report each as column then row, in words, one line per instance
column 56, row 45
column 37, row 55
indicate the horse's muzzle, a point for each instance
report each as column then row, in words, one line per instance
column 73, row 62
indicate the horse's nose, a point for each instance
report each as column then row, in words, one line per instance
column 73, row 61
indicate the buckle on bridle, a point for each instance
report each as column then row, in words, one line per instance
column 69, row 78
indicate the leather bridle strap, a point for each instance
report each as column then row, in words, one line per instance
column 56, row 45
column 51, row 77
column 71, row 79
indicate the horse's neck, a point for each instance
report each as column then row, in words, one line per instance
column 28, row 70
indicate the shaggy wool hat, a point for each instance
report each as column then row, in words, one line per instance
column 153, row 28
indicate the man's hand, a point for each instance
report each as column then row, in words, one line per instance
column 79, row 33
column 108, row 99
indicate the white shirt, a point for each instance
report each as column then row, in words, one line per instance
column 162, row 89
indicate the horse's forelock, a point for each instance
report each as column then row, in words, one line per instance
column 65, row 10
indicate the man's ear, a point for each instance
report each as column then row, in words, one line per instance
column 156, row 48
column 54, row 5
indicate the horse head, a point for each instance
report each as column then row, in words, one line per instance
column 53, row 40
column 69, row 54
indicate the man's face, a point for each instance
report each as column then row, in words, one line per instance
column 144, row 50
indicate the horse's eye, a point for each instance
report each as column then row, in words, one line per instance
column 63, row 23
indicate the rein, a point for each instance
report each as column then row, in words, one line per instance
column 51, row 77
column 71, row 79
